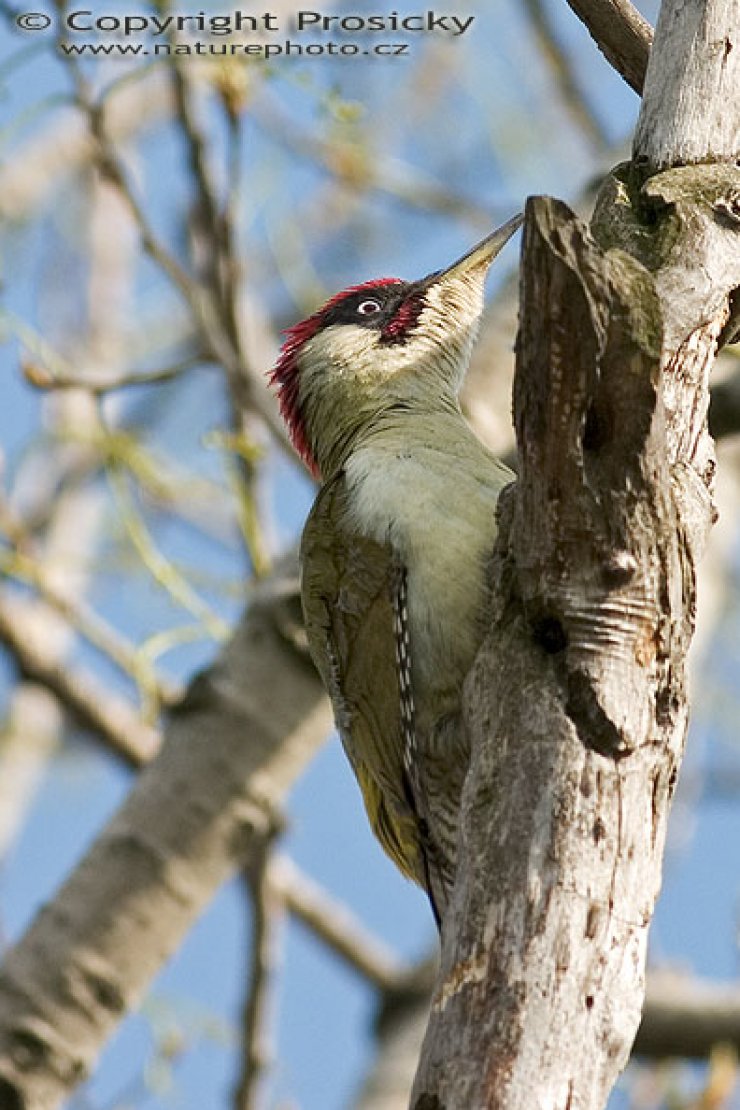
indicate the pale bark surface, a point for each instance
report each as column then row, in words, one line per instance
column 689, row 109
column 246, row 731
column 682, row 1016
column 577, row 703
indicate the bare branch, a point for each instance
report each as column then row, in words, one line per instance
column 621, row 34
column 90, row 625
column 685, row 1016
column 334, row 924
column 194, row 294
column 398, row 179
column 112, row 166
column 31, row 734
column 559, row 64
column 208, row 201
column 40, row 377
column 257, row 1053
column 209, row 227
column 164, row 572
column 232, row 207
column 399, row 1036
column 97, row 708
column 65, row 145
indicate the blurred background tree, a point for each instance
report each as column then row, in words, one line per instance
column 162, row 219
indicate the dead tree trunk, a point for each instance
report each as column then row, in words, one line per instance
column 577, row 705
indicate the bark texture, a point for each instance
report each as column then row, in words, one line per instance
column 577, row 705
column 692, row 85
column 245, row 732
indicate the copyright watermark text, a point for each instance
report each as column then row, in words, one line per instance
column 33, row 21
column 84, row 21
column 304, row 32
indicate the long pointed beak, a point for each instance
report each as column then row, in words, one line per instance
column 482, row 255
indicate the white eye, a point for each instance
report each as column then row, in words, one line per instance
column 368, row 307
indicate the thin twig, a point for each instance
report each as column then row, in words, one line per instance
column 334, row 924
column 257, row 1052
column 207, row 205
column 40, row 377
column 90, row 626
column 43, row 162
column 234, row 191
column 562, row 71
column 222, row 278
column 162, row 570
column 217, row 342
column 622, row 35
column 687, row 1016
column 222, row 291
column 97, row 707
column 190, row 289
column 111, row 165
column 399, row 179
column 231, row 268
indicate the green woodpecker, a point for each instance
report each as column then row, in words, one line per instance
column 395, row 550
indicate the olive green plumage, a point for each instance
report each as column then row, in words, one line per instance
column 347, row 589
column 351, row 589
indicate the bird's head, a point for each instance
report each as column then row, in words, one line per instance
column 386, row 345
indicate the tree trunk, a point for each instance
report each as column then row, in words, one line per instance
column 577, row 706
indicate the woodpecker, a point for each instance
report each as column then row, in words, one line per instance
column 394, row 552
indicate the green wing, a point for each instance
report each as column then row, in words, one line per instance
column 347, row 587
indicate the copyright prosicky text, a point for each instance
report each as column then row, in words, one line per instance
column 84, row 21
